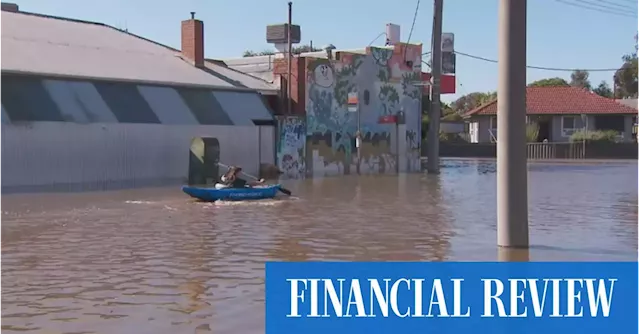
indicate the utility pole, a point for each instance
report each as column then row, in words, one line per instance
column 433, row 137
column 290, row 59
column 513, row 224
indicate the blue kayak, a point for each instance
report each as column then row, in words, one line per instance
column 232, row 194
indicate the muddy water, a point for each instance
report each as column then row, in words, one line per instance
column 154, row 261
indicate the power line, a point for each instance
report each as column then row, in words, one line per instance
column 598, row 7
column 540, row 67
column 375, row 39
column 615, row 4
column 413, row 24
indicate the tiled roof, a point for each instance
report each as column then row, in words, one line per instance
column 40, row 44
column 633, row 103
column 561, row 100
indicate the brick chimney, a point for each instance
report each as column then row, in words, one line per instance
column 193, row 41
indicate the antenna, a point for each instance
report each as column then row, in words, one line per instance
column 193, row 15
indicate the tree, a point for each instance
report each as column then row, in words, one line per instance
column 295, row 50
column 580, row 78
column 626, row 78
column 603, row 90
column 549, row 82
column 303, row 48
column 471, row 101
column 250, row 53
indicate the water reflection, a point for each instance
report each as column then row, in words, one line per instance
column 153, row 261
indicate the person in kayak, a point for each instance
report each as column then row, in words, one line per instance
column 232, row 179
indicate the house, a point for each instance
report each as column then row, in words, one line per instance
column 559, row 112
column 86, row 105
column 633, row 103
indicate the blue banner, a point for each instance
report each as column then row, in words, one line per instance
column 451, row 297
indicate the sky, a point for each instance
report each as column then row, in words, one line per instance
column 559, row 35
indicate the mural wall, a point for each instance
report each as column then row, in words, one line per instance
column 382, row 80
column 291, row 146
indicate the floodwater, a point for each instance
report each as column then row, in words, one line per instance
column 154, row 261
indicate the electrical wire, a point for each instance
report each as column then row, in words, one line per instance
column 375, row 39
column 540, row 67
column 598, row 7
column 413, row 24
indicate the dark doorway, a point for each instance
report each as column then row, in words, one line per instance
column 544, row 130
column 204, row 156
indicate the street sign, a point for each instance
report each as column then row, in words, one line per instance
column 352, row 102
column 447, row 42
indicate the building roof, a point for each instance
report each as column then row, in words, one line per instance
column 633, row 103
column 262, row 66
column 561, row 100
column 54, row 46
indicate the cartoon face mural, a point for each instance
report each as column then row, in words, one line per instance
column 323, row 75
column 384, row 81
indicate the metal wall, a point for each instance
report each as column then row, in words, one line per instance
column 267, row 144
column 61, row 155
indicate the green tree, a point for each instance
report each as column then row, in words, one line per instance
column 580, row 78
column 250, row 53
column 626, row 78
column 296, row 50
column 549, row 82
column 304, row 48
column 472, row 100
column 603, row 90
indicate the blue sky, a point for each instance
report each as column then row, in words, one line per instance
column 559, row 35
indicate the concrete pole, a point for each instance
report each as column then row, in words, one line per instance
column 433, row 138
column 513, row 224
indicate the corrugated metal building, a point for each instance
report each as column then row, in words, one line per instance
column 86, row 105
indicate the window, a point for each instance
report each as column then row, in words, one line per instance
column 493, row 128
column 568, row 124
column 25, row 99
column 126, row 102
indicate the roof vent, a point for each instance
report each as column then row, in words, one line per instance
column 10, row 7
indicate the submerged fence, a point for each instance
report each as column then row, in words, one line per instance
column 545, row 151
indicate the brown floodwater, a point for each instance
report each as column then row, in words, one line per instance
column 155, row 261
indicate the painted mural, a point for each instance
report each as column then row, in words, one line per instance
column 382, row 80
column 291, row 146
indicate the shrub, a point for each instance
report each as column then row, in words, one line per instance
column 453, row 138
column 610, row 136
column 532, row 131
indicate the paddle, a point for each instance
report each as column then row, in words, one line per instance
column 280, row 188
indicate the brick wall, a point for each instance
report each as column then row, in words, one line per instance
column 298, row 79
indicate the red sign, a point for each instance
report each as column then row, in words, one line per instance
column 447, row 83
column 388, row 119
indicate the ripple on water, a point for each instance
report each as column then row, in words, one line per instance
column 158, row 262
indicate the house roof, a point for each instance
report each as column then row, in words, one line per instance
column 262, row 66
column 561, row 100
column 633, row 103
column 41, row 44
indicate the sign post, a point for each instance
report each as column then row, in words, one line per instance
column 352, row 106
